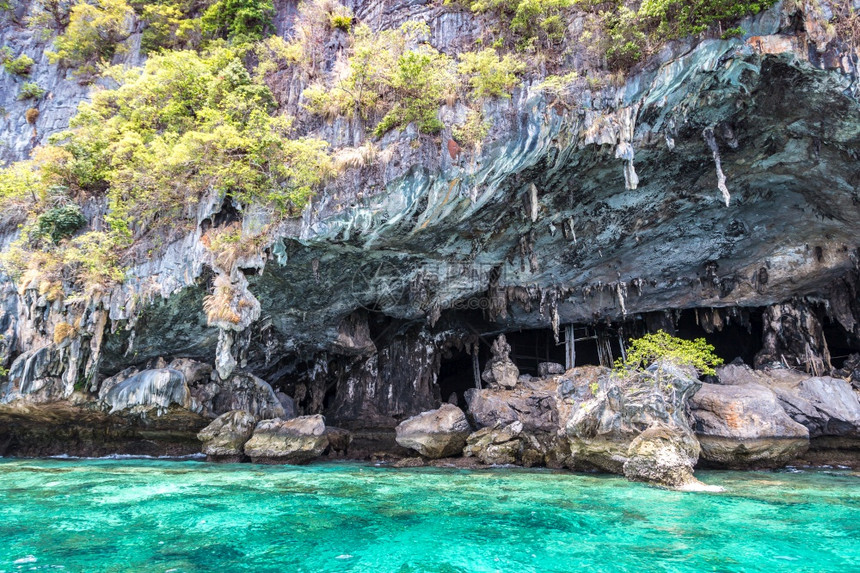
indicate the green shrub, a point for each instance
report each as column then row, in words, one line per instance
column 93, row 35
column 532, row 23
column 167, row 26
column 488, row 75
column 19, row 66
column 474, row 131
column 652, row 348
column 341, row 22
column 30, row 90
column 241, row 21
column 60, row 222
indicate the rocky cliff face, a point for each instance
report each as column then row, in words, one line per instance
column 713, row 190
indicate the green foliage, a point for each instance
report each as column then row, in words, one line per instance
column 532, row 23
column 168, row 26
column 622, row 36
column 558, row 86
column 652, row 348
column 390, row 73
column 474, row 131
column 19, row 66
column 30, row 90
column 60, row 222
column 420, row 83
column 241, row 21
column 184, row 124
column 488, row 75
column 341, row 21
column 736, row 32
column 93, row 35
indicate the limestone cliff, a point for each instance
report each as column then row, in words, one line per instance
column 713, row 188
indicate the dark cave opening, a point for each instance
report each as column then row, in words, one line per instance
column 740, row 337
column 456, row 375
column 531, row 347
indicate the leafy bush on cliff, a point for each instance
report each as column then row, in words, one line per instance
column 19, row 66
column 392, row 74
column 239, row 20
column 489, row 75
column 93, row 35
column 658, row 346
column 622, row 33
column 532, row 24
column 61, row 222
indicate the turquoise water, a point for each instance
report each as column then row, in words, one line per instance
column 148, row 515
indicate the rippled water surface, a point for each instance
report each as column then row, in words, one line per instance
column 148, row 515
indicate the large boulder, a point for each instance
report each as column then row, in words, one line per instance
column 826, row 406
column 500, row 371
column 535, row 408
column 499, row 445
column 602, row 430
column 296, row 441
column 155, row 389
column 663, row 455
column 225, row 437
column 742, row 426
column 436, row 433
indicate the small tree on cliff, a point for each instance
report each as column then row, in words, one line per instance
column 651, row 348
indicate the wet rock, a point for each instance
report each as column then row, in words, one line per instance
column 436, row 433
column 225, row 437
column 550, row 368
column 416, row 462
column 601, row 429
column 500, row 371
column 744, row 426
column 296, row 441
column 147, row 390
column 338, row 440
column 663, row 455
column 499, row 445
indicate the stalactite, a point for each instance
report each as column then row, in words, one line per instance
column 708, row 134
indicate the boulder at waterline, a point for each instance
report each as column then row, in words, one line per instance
column 499, row 445
column 226, row 436
column 744, row 426
column 663, row 455
column 436, row 433
column 602, row 429
column 295, row 441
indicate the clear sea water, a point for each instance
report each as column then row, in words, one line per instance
column 150, row 515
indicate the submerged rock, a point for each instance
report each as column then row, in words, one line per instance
column 226, row 436
column 436, row 433
column 296, row 441
column 743, row 426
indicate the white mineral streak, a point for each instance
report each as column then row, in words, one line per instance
column 708, row 134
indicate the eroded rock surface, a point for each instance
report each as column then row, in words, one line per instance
column 663, row 455
column 742, row 426
column 225, row 437
column 296, row 441
column 436, row 433
column 501, row 372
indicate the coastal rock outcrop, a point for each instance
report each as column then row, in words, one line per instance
column 663, row 455
column 436, row 433
column 296, row 441
column 497, row 445
column 743, row 426
column 603, row 430
column 224, row 439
